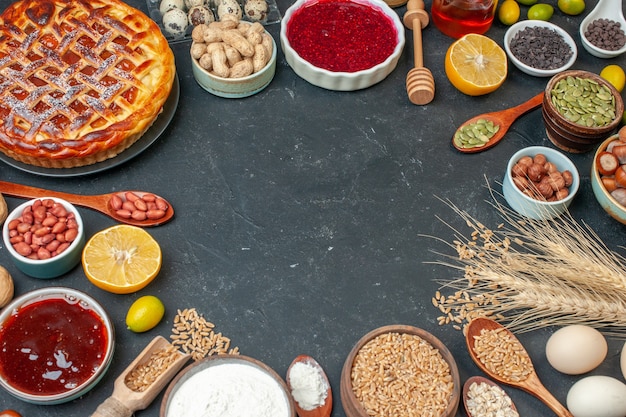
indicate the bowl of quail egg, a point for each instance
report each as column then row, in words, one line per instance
column 178, row 18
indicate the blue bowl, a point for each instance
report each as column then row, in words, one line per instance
column 532, row 208
column 52, row 267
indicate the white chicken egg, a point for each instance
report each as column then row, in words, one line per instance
column 597, row 396
column 167, row 5
column 175, row 22
column 623, row 361
column 576, row 349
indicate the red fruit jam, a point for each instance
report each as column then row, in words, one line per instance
column 51, row 346
column 342, row 35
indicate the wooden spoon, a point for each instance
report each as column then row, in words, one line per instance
column 324, row 409
column 502, row 118
column 531, row 384
column 99, row 202
column 478, row 380
column 125, row 401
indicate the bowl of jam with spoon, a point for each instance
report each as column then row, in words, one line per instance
column 56, row 344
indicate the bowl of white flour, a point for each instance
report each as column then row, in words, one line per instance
column 227, row 386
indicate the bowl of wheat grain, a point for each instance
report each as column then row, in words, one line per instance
column 396, row 370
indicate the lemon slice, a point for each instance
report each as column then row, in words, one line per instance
column 476, row 65
column 121, row 259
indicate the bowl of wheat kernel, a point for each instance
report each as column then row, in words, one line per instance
column 397, row 369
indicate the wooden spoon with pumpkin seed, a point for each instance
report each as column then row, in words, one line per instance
column 486, row 130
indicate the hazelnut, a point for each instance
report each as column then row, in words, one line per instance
column 535, row 172
column 540, row 159
column 568, row 177
column 519, row 170
column 556, row 181
column 6, row 287
column 544, row 187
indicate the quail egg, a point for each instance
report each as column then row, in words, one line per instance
column 256, row 10
column 194, row 3
column 199, row 15
column 175, row 22
column 229, row 7
column 167, row 5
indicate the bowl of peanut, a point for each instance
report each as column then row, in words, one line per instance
column 540, row 182
column 44, row 237
column 419, row 374
column 232, row 58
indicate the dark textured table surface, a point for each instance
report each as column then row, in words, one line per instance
column 300, row 214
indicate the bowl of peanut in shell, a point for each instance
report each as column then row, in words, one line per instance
column 580, row 109
column 395, row 369
column 232, row 58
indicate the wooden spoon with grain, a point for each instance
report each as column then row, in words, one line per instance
column 125, row 401
column 529, row 383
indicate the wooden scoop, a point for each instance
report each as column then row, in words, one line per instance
column 420, row 84
column 99, row 202
column 125, row 401
column 503, row 118
column 531, row 384
column 323, row 410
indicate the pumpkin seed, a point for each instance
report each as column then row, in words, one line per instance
column 584, row 101
column 475, row 134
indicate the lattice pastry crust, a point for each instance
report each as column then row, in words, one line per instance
column 80, row 80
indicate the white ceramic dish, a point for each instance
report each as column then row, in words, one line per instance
column 342, row 81
column 607, row 9
column 68, row 345
column 235, row 87
column 532, row 208
column 520, row 26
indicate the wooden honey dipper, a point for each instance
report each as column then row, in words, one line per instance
column 420, row 84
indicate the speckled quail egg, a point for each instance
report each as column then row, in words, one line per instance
column 229, row 7
column 193, row 3
column 175, row 22
column 167, row 5
column 256, row 9
column 199, row 15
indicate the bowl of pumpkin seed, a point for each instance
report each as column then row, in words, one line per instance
column 580, row 109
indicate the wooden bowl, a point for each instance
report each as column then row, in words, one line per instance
column 570, row 136
column 352, row 405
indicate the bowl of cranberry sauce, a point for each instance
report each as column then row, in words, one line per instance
column 342, row 45
column 56, row 344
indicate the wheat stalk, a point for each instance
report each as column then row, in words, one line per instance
column 531, row 274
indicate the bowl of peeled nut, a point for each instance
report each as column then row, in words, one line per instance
column 232, row 58
column 420, row 374
column 580, row 109
column 44, row 237
column 540, row 182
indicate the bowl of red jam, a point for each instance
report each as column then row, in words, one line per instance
column 44, row 237
column 342, row 45
column 56, row 344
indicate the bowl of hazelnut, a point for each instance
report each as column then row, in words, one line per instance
column 608, row 175
column 44, row 237
column 540, row 182
column 232, row 58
